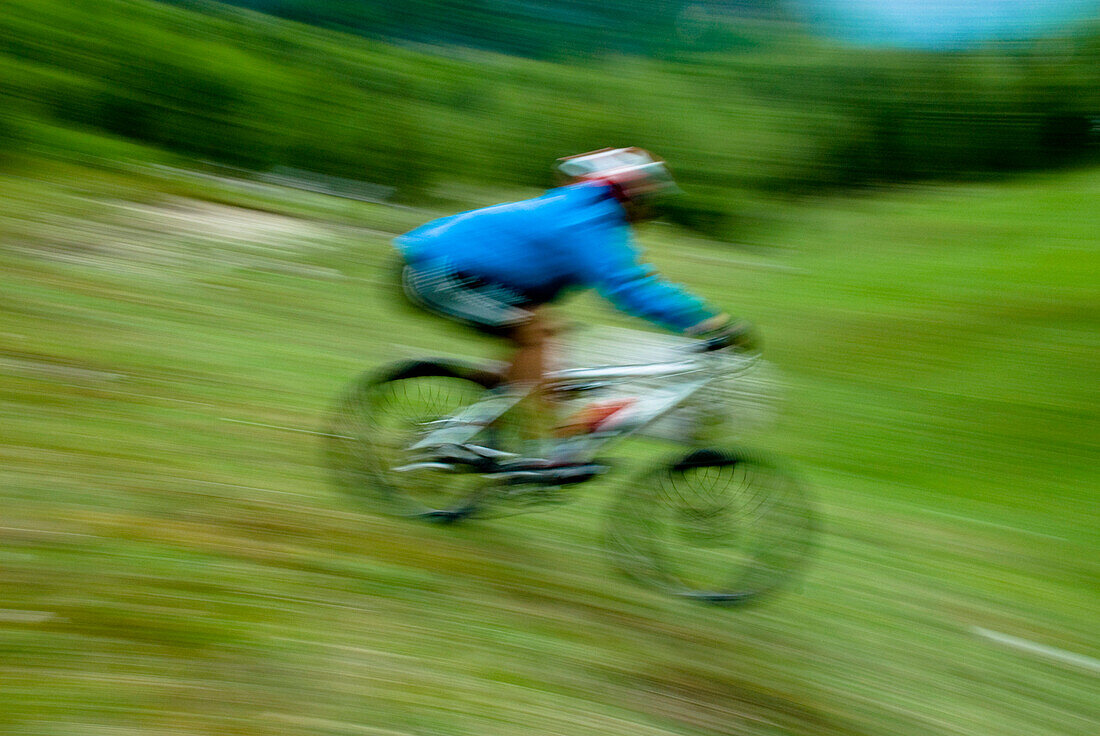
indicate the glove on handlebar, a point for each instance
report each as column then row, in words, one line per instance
column 737, row 334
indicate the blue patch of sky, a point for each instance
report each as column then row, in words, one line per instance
column 943, row 23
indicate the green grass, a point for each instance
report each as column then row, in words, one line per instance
column 171, row 565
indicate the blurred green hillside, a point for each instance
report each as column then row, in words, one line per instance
column 782, row 114
column 173, row 559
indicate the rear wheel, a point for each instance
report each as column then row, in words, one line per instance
column 379, row 416
column 717, row 526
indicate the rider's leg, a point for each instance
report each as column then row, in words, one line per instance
column 531, row 341
column 503, row 312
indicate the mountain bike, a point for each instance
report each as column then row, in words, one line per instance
column 440, row 440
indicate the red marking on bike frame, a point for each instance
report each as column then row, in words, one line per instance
column 600, row 415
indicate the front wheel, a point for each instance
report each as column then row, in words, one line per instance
column 721, row 526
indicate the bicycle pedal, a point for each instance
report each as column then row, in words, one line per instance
column 549, row 475
column 490, row 453
column 466, row 454
column 427, row 465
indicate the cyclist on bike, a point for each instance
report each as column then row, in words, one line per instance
column 495, row 268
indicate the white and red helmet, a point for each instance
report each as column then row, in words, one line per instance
column 634, row 174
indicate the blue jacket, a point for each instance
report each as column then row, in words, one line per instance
column 575, row 236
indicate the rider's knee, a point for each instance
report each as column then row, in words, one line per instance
column 534, row 332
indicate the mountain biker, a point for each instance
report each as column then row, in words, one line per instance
column 495, row 268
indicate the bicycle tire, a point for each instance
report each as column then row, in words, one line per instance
column 380, row 414
column 718, row 526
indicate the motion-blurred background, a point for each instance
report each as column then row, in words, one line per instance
column 196, row 200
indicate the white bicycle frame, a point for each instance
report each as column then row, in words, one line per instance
column 667, row 385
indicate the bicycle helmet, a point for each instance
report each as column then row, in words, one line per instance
column 636, row 176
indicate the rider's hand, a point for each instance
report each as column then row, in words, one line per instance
column 723, row 332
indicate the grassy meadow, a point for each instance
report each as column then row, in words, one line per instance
column 173, row 559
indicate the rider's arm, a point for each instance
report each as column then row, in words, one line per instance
column 609, row 261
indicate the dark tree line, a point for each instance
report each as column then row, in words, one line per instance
column 790, row 115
